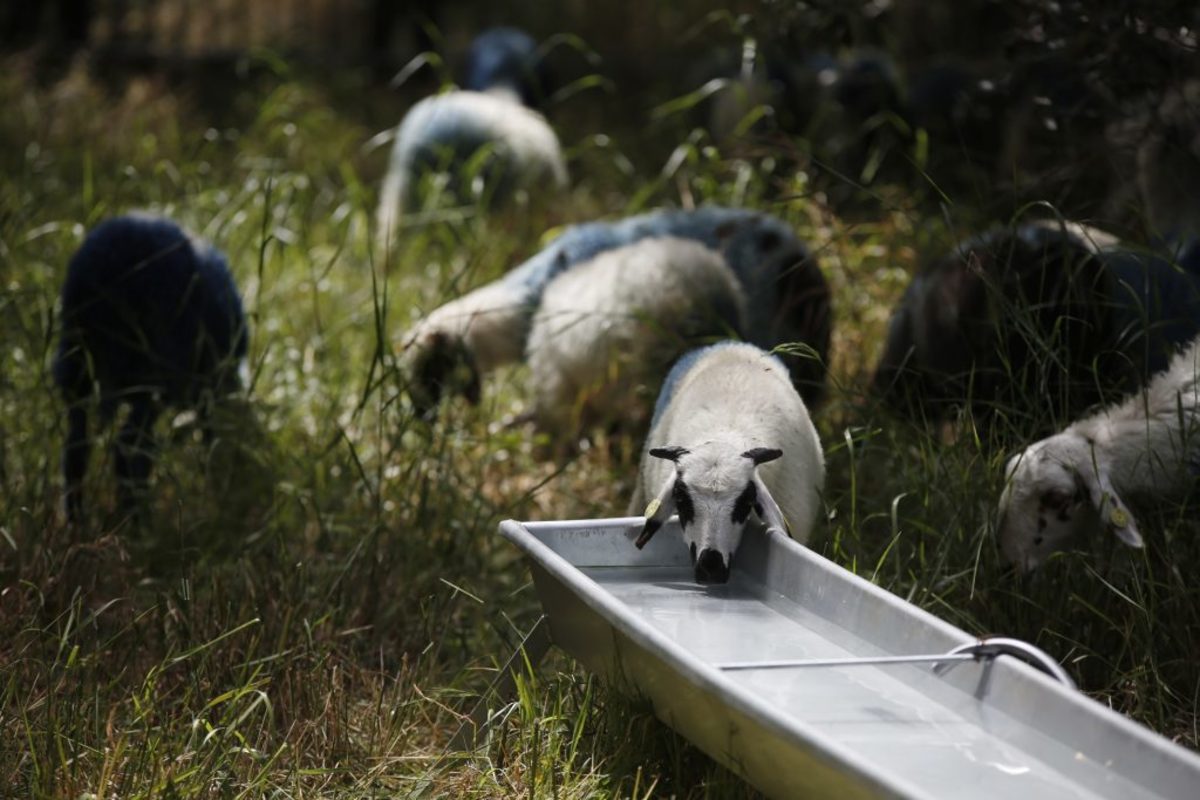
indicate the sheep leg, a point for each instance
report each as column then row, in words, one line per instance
column 75, row 461
column 134, row 453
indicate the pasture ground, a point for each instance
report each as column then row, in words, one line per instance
column 322, row 588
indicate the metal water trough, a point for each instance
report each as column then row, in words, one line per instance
column 809, row 681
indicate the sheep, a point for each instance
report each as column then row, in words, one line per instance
column 151, row 318
column 1048, row 310
column 1077, row 481
column 787, row 299
column 960, row 106
column 482, row 131
column 724, row 411
column 734, row 83
column 838, row 102
column 1054, row 106
column 446, row 131
column 1169, row 168
column 606, row 328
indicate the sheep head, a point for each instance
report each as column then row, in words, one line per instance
column 1054, row 490
column 714, row 491
column 440, row 363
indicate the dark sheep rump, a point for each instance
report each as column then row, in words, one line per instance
column 150, row 318
column 1036, row 321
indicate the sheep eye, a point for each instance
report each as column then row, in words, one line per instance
column 1055, row 499
column 683, row 504
column 745, row 502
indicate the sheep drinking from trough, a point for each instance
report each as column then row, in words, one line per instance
column 612, row 326
column 1077, row 481
column 787, row 298
column 1045, row 319
column 151, row 319
column 724, row 412
column 482, row 135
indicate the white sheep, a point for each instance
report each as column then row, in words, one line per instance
column 787, row 298
column 447, row 131
column 724, row 410
column 610, row 327
column 1076, row 481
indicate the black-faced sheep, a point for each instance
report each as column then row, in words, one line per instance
column 759, row 88
column 787, row 298
column 481, row 135
column 1077, row 482
column 723, row 412
column 151, row 319
column 1045, row 319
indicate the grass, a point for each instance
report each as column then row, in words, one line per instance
column 321, row 589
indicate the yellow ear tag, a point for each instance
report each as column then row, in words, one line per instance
column 652, row 509
column 1119, row 518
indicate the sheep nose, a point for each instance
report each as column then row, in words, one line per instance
column 711, row 567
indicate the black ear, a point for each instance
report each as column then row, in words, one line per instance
column 761, row 455
column 668, row 453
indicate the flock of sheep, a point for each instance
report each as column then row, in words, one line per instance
column 725, row 311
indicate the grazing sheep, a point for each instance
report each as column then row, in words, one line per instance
column 841, row 103
column 151, row 318
column 481, row 135
column 736, row 83
column 1169, row 167
column 445, row 132
column 1054, row 316
column 787, row 299
column 612, row 326
column 960, row 106
column 868, row 84
column 724, row 411
column 1077, row 481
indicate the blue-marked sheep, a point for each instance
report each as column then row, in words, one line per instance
column 481, row 136
column 1047, row 317
column 787, row 298
column 723, row 412
column 1077, row 482
column 151, row 318
column 612, row 326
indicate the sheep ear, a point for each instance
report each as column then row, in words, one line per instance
column 762, row 455
column 1110, row 507
column 658, row 512
column 672, row 453
column 768, row 509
